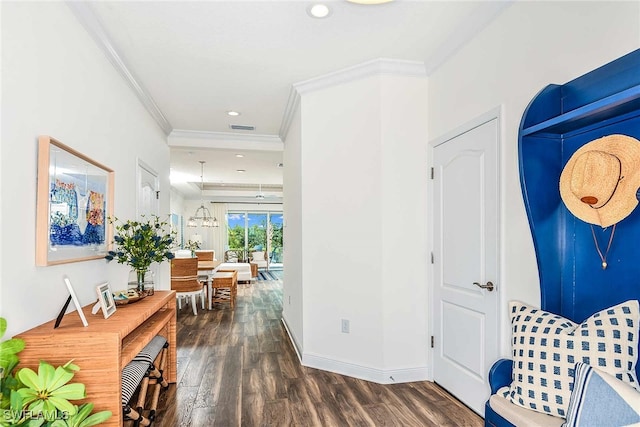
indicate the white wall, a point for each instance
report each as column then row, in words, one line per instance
column 56, row 81
column 292, row 292
column 527, row 47
column 363, row 192
column 404, row 250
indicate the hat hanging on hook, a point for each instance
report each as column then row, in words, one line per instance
column 599, row 182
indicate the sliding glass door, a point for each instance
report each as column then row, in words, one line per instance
column 256, row 231
column 275, row 235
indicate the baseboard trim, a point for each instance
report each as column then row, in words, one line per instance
column 293, row 339
column 380, row 376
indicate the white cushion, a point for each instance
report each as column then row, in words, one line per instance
column 183, row 253
column 546, row 348
column 518, row 416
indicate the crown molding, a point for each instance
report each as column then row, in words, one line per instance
column 84, row 13
column 380, row 66
column 289, row 111
column 224, row 140
column 374, row 67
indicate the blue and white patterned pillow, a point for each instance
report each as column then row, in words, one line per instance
column 600, row 400
column 546, row 348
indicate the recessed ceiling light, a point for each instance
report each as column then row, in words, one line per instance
column 319, row 10
column 239, row 155
column 240, row 170
column 233, row 113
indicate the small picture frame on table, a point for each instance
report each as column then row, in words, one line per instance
column 76, row 302
column 105, row 298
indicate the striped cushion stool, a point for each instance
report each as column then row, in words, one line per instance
column 157, row 347
column 132, row 376
column 151, row 362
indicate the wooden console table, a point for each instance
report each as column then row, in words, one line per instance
column 104, row 348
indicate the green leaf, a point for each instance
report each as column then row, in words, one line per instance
column 60, row 378
column 35, row 423
column 16, row 401
column 13, row 345
column 70, row 366
column 95, row 419
column 46, row 374
column 83, row 412
column 70, row 391
column 8, row 361
column 49, row 409
column 28, row 395
column 36, row 406
column 63, row 405
column 3, row 326
column 29, row 378
column 59, row 423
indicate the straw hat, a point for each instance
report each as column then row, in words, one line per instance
column 600, row 180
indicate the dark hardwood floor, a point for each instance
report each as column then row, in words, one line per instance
column 238, row 368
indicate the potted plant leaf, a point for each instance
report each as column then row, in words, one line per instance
column 141, row 243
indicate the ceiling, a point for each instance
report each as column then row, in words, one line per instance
column 191, row 62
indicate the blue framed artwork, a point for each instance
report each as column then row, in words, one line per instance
column 75, row 199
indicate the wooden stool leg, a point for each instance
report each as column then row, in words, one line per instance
column 142, row 395
column 136, row 417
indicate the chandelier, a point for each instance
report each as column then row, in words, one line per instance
column 202, row 215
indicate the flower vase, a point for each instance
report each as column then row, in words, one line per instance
column 142, row 281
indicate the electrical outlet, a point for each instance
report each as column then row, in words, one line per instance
column 345, row 326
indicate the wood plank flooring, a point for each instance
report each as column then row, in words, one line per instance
column 238, row 368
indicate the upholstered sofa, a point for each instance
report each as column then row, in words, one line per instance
column 243, row 269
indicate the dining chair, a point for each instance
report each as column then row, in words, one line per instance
column 206, row 255
column 184, row 280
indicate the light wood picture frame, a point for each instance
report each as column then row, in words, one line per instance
column 74, row 202
column 105, row 297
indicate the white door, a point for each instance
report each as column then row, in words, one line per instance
column 148, row 202
column 466, row 208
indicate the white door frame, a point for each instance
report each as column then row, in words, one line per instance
column 493, row 114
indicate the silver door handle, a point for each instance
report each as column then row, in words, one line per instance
column 489, row 286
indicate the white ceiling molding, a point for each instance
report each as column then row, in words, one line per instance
column 224, row 140
column 289, row 112
column 370, row 68
column 84, row 13
column 465, row 32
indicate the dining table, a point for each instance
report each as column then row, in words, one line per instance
column 208, row 268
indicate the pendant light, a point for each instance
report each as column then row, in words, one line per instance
column 203, row 219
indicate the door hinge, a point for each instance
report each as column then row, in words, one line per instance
column 157, row 195
column 433, row 342
column 432, row 173
column 432, row 258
